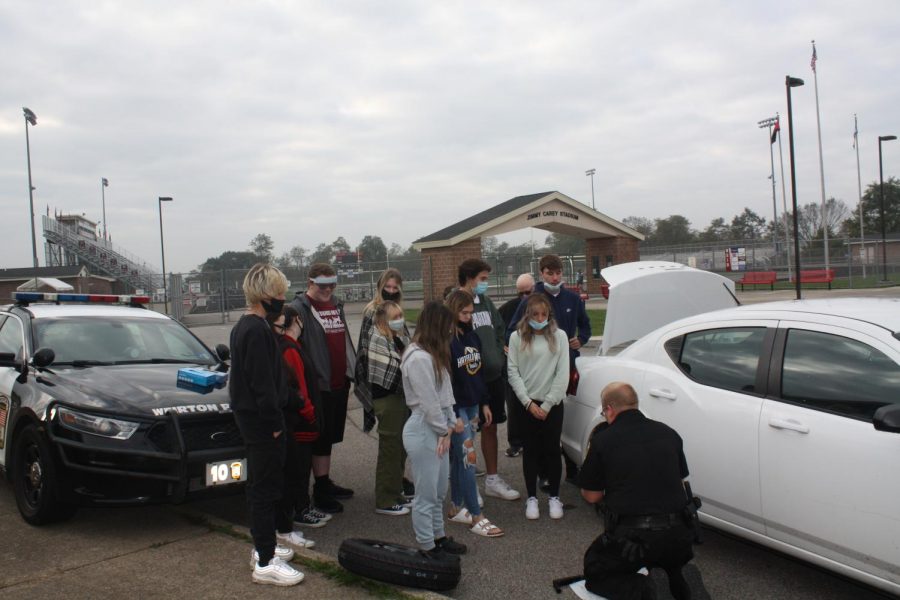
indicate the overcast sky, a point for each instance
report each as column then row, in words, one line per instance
column 310, row 120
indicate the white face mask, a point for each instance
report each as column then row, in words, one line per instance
column 396, row 324
column 553, row 289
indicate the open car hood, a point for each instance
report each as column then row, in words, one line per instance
column 646, row 295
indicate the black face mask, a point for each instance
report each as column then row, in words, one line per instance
column 393, row 297
column 273, row 307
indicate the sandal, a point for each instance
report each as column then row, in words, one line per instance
column 486, row 529
column 461, row 516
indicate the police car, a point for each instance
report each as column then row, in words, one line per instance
column 105, row 402
column 789, row 411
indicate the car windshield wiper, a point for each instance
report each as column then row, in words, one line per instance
column 85, row 363
column 160, row 361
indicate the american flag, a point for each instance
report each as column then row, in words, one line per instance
column 812, row 62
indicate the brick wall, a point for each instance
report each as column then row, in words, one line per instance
column 439, row 266
column 621, row 249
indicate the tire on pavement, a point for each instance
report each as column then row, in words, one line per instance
column 36, row 479
column 398, row 564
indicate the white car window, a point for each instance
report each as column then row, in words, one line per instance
column 838, row 374
column 11, row 338
column 722, row 358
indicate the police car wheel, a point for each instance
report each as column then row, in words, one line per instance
column 35, row 479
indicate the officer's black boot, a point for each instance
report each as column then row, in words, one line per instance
column 678, row 585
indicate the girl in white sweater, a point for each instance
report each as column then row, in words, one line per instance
column 538, row 364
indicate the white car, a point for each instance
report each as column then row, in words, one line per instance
column 789, row 411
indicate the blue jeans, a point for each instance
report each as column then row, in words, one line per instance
column 430, row 474
column 463, row 489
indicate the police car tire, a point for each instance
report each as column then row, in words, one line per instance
column 398, row 564
column 30, row 447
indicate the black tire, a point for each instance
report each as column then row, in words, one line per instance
column 35, row 479
column 398, row 564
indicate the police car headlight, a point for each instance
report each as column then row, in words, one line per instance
column 102, row 426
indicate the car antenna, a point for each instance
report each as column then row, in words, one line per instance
column 727, row 289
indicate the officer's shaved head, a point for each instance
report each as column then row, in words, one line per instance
column 525, row 283
column 619, row 395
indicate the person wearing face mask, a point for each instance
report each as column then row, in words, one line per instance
column 538, row 365
column 472, row 275
column 524, row 288
column 471, row 397
column 327, row 339
column 258, row 396
column 386, row 344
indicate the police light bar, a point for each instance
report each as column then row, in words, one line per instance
column 26, row 297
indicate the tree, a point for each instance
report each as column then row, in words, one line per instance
column 747, row 226
column 395, row 250
column 372, row 249
column 563, row 245
column 640, row 224
column 284, row 262
column 716, row 232
column 674, row 229
column 322, row 254
column 339, row 245
column 809, row 222
column 229, row 260
column 297, row 254
column 871, row 205
column 262, row 246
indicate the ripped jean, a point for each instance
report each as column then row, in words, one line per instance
column 463, row 489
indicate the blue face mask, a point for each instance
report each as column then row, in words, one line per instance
column 481, row 287
column 552, row 289
column 396, row 324
column 538, row 326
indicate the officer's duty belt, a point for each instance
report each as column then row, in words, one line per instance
column 651, row 521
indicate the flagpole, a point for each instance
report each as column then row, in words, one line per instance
column 784, row 210
column 862, row 235
column 812, row 64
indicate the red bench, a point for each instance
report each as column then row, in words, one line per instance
column 758, row 278
column 816, row 276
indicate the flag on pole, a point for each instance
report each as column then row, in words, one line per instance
column 105, row 182
column 812, row 62
column 775, row 131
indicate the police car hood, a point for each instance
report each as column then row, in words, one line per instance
column 144, row 390
column 646, row 295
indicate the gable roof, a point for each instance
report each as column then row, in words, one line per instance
column 30, row 272
column 496, row 215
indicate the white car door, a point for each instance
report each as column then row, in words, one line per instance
column 830, row 481
column 705, row 383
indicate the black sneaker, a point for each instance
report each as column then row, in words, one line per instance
column 450, row 546
column 514, row 451
column 307, row 519
column 437, row 554
column 338, row 492
column 397, row 510
column 328, row 504
column 409, row 490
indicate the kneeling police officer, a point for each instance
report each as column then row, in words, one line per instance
column 636, row 466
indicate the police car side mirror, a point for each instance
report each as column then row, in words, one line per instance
column 887, row 418
column 223, row 352
column 44, row 357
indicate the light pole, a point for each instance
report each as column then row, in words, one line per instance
column 104, row 183
column 30, row 117
column 162, row 247
column 791, row 82
column 590, row 173
column 884, row 279
column 768, row 124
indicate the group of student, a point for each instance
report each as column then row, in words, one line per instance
column 430, row 394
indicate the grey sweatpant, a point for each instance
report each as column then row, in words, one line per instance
column 431, row 477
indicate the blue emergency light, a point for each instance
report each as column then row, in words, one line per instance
column 26, row 297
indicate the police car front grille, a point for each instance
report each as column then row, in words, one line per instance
column 197, row 434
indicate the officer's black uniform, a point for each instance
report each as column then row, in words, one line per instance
column 639, row 464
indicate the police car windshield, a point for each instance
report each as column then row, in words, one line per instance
column 88, row 341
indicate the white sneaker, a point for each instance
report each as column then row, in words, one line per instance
column 281, row 552
column 295, row 539
column 277, row 572
column 556, row 508
column 500, row 489
column 531, row 508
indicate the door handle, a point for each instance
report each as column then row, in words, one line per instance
column 789, row 424
column 660, row 393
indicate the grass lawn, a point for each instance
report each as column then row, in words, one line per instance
column 597, row 317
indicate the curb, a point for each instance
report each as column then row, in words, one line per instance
column 216, row 523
